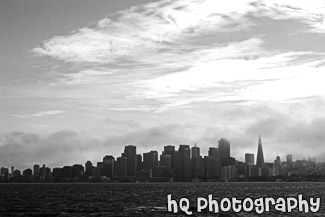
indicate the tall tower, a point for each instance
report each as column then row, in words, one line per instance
column 195, row 151
column 130, row 152
column 260, row 156
column 224, row 148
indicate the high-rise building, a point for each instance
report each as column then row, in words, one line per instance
column 121, row 166
column 166, row 161
column 57, row 174
column 77, row 170
column 224, row 148
column 107, row 168
column 36, row 170
column 27, row 173
column 214, row 152
column 139, row 162
column 195, row 151
column 289, row 159
column 197, row 163
column 170, row 150
column 130, row 152
column 150, row 162
column 228, row 173
column 210, row 168
column 277, row 161
column 249, row 159
column 88, row 166
column 260, row 155
column 183, row 163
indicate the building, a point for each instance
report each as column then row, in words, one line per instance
column 210, row 168
column 130, row 152
column 197, row 163
column 183, row 163
column 121, row 166
column 36, row 170
column 214, row 152
column 170, row 150
column 260, row 155
column 195, row 151
column 150, row 162
column 249, row 159
column 107, row 168
column 88, row 167
column 228, row 173
column 224, row 148
column 139, row 162
column 289, row 162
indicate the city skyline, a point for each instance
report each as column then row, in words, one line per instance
column 250, row 157
column 183, row 164
column 78, row 79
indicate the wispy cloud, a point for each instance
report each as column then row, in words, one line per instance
column 41, row 114
column 166, row 55
column 151, row 28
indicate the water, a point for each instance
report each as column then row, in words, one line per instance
column 143, row 199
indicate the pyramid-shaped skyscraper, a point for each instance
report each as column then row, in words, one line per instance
column 260, row 156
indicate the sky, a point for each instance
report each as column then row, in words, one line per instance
column 81, row 79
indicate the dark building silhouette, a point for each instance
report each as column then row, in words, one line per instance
column 36, row 170
column 77, row 171
column 139, row 162
column 130, row 152
column 289, row 161
column 210, row 167
column 88, row 167
column 214, row 153
column 197, row 163
column 195, row 151
column 66, row 173
column 107, row 168
column 95, row 171
column 150, row 162
column 230, row 161
column 183, row 163
column 260, row 155
column 224, row 148
column 170, row 150
column 57, row 174
column 166, row 161
column 121, row 166
column 28, row 173
column 249, row 159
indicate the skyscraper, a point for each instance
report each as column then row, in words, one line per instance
column 249, row 159
column 224, row 148
column 260, row 156
column 150, row 161
column 170, row 150
column 214, row 152
column 108, row 166
column 197, row 163
column 289, row 161
column 195, row 151
column 36, row 170
column 121, row 166
column 130, row 152
column 183, row 163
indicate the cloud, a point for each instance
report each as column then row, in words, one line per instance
column 41, row 114
column 155, row 27
column 281, row 135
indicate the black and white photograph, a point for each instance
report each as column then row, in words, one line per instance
column 162, row 108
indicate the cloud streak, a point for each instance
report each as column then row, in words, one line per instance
column 41, row 114
column 151, row 28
